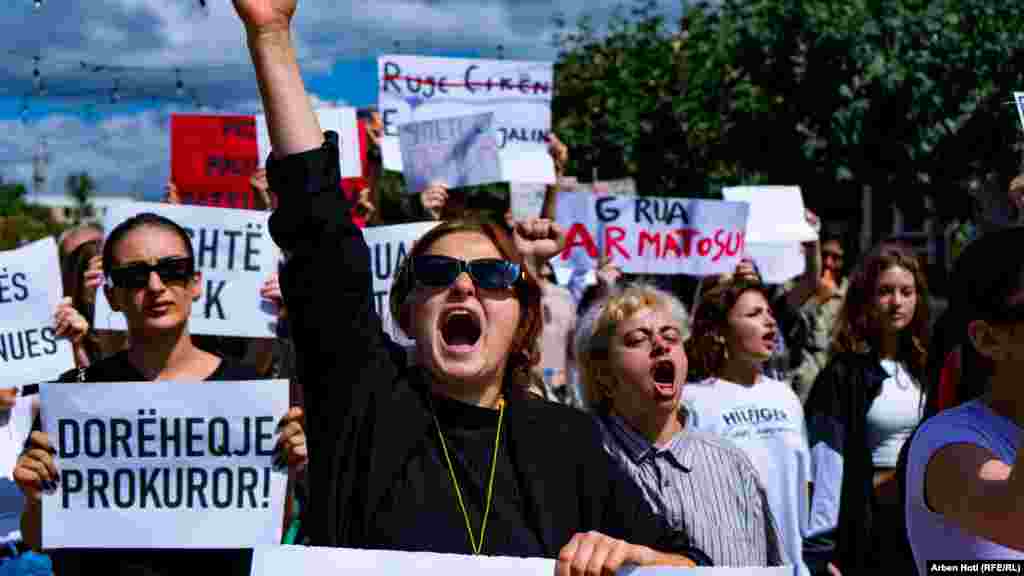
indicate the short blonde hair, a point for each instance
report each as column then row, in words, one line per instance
column 597, row 327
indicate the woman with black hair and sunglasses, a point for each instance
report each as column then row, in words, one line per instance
column 151, row 278
column 449, row 455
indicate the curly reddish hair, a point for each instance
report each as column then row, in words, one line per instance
column 706, row 347
column 857, row 328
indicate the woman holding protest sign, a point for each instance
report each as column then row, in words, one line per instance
column 734, row 333
column 448, row 455
column 865, row 404
column 630, row 350
column 151, row 278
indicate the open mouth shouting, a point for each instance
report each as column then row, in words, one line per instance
column 663, row 373
column 460, row 331
column 769, row 340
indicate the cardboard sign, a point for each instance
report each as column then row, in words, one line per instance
column 340, row 120
column 388, row 247
column 212, row 158
column 646, row 235
column 30, row 289
column 313, row 561
column 456, row 152
column 415, row 89
column 1018, row 98
column 164, row 464
column 234, row 253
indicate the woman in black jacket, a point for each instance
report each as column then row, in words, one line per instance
column 449, row 455
column 865, row 404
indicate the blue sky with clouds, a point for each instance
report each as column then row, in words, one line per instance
column 141, row 48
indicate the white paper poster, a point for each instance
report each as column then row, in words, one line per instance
column 235, row 254
column 388, row 247
column 312, row 561
column 341, row 120
column 1018, row 97
column 414, row 89
column 164, row 464
column 30, row 289
column 526, row 199
column 457, row 152
column 777, row 263
column 647, row 235
column 777, row 214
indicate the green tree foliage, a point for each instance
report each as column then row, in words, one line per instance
column 22, row 222
column 905, row 97
column 80, row 188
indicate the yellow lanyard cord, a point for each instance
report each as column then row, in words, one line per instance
column 490, row 485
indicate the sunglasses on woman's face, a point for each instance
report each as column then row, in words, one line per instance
column 487, row 273
column 175, row 269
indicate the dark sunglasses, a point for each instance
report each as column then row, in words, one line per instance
column 487, row 273
column 174, row 269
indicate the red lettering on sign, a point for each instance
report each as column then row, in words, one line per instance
column 579, row 236
column 613, row 236
column 646, row 239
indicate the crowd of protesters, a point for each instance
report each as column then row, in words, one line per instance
column 828, row 424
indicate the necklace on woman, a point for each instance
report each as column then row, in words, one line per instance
column 477, row 546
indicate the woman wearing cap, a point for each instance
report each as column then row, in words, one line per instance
column 630, row 347
column 448, row 455
column 964, row 491
column 865, row 404
column 734, row 333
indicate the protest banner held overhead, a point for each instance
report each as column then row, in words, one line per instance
column 776, row 227
column 415, row 89
column 388, row 247
column 164, row 464
column 647, row 235
column 235, row 254
column 341, row 120
column 457, row 152
column 30, row 289
column 212, row 158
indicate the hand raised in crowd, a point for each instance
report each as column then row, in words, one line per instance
column 607, row 273
column 171, row 193
column 35, row 470
column 745, row 270
column 271, row 289
column 433, row 199
column 538, row 238
column 593, row 553
column 364, row 207
column 291, row 446
column 8, row 398
column 94, row 273
column 559, row 153
column 68, row 323
column 261, row 197
column 265, row 15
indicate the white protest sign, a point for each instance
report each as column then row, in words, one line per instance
column 341, row 120
column 30, row 289
column 777, row 263
column 414, row 89
column 388, row 247
column 459, row 151
column 777, row 214
column 234, row 253
column 526, row 199
column 164, row 464
column 1018, row 98
column 647, row 235
column 314, row 561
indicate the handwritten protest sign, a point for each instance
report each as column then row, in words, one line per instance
column 30, row 289
column 776, row 227
column 164, row 464
column 234, row 253
column 270, row 561
column 457, row 152
column 414, row 89
column 212, row 158
column 341, row 120
column 388, row 247
column 1018, row 97
column 646, row 235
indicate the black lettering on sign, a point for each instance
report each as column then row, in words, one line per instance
column 28, row 344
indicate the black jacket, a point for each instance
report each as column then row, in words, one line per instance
column 365, row 410
column 864, row 542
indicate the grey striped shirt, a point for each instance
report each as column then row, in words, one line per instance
column 702, row 484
